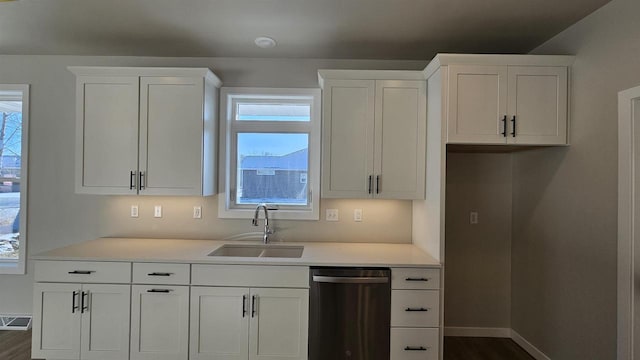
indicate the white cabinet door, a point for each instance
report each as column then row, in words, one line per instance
column 537, row 105
column 348, row 136
column 171, row 135
column 279, row 324
column 159, row 322
column 105, row 322
column 106, row 134
column 56, row 321
column 477, row 104
column 400, row 139
column 219, row 323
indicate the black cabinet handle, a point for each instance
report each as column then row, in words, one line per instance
column 504, row 126
column 253, row 306
column 74, row 307
column 513, row 128
column 244, row 305
column 415, row 348
column 81, row 272
column 417, row 279
column 132, row 180
column 416, row 309
column 163, row 291
column 370, row 184
column 142, row 180
column 84, row 304
column 377, row 184
column 159, row 274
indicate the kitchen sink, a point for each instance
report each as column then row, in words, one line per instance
column 270, row 251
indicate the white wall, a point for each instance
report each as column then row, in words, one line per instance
column 58, row 217
column 565, row 199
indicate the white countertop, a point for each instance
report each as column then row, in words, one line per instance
column 196, row 252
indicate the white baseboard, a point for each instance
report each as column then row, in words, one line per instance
column 528, row 347
column 497, row 333
column 477, row 332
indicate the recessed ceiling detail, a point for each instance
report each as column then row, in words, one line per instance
column 347, row 29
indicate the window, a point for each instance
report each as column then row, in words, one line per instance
column 270, row 142
column 14, row 115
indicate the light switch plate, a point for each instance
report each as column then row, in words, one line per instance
column 473, row 218
column 134, row 211
column 357, row 215
column 157, row 211
column 197, row 212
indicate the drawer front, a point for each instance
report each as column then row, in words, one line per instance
column 83, row 272
column 158, row 273
column 415, row 278
column 415, row 308
column 250, row 276
column 414, row 344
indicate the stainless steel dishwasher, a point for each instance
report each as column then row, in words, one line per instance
column 349, row 313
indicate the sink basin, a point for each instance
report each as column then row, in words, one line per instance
column 271, row 251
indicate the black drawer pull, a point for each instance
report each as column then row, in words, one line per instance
column 415, row 348
column 417, row 279
column 81, row 272
column 160, row 274
column 164, row 291
column 416, row 309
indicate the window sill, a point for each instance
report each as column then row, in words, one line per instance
column 11, row 267
column 225, row 213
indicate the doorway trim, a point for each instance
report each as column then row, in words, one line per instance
column 627, row 149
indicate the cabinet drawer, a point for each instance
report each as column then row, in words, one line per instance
column 251, row 276
column 414, row 344
column 415, row 308
column 157, row 273
column 83, row 272
column 415, row 278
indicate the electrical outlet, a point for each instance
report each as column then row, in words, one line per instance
column 357, row 215
column 134, row 211
column 157, row 211
column 197, row 212
column 473, row 218
column 332, row 215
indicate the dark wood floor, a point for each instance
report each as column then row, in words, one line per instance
column 472, row 348
column 16, row 345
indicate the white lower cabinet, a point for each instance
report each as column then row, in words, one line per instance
column 159, row 322
column 81, row 321
column 415, row 314
column 414, row 344
column 230, row 323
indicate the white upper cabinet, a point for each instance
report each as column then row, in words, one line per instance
column 106, row 134
column 348, row 135
column 505, row 99
column 374, row 134
column 477, row 104
column 537, row 105
column 147, row 131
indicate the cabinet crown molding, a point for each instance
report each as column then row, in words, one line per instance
column 496, row 59
column 146, row 71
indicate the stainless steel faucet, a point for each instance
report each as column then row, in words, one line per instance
column 267, row 230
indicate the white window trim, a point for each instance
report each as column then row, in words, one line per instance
column 313, row 177
column 8, row 266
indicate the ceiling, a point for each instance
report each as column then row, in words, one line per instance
column 356, row 29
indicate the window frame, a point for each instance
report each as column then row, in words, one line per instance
column 19, row 266
column 229, row 127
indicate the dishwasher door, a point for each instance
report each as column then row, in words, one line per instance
column 349, row 313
